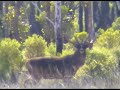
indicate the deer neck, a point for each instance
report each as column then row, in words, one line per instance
column 78, row 54
column 79, row 58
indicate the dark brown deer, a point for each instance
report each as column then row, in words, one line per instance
column 58, row 67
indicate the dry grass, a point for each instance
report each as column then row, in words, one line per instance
column 88, row 83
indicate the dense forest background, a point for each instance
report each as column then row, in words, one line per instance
column 44, row 28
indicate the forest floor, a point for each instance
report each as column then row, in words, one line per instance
column 88, row 83
column 49, row 84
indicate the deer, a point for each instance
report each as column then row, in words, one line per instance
column 59, row 67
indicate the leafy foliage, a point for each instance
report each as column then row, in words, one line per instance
column 100, row 62
column 81, row 37
column 10, row 57
column 103, row 59
column 116, row 24
column 34, row 46
column 108, row 39
column 51, row 49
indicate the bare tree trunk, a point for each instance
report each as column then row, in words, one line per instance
column 59, row 41
column 96, row 15
column 86, row 15
column 1, row 15
column 81, row 16
column 89, row 20
column 104, row 15
column 47, row 22
column 6, row 27
column 35, row 25
column 118, row 8
column 16, row 19
column 38, row 4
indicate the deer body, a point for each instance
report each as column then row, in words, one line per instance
column 54, row 67
column 58, row 67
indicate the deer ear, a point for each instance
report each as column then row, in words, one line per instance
column 89, row 44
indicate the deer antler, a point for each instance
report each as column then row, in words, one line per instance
column 77, row 40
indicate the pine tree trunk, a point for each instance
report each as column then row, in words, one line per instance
column 58, row 36
column 81, row 17
column 86, row 15
column 89, row 20
column 47, row 22
column 16, row 19
column 35, row 25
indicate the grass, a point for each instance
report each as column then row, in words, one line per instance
column 86, row 83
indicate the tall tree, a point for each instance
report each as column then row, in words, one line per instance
column 89, row 19
column 16, row 19
column 35, row 25
column 59, row 41
column 6, row 26
column 86, row 14
column 47, row 22
column 96, row 15
column 1, row 14
column 38, row 4
column 81, row 16
column 104, row 15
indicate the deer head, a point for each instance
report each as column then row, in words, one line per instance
column 81, row 46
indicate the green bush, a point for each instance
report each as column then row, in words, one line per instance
column 68, row 49
column 51, row 50
column 35, row 46
column 81, row 37
column 108, row 39
column 116, row 24
column 100, row 62
column 10, row 57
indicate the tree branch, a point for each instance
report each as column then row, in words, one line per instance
column 50, row 21
column 118, row 4
column 35, row 6
column 40, row 11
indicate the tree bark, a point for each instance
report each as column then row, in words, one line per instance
column 89, row 20
column 104, row 15
column 59, row 41
column 1, row 15
column 96, row 15
column 38, row 4
column 16, row 19
column 47, row 22
column 81, row 16
column 35, row 25
column 86, row 15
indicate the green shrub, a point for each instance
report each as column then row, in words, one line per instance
column 116, row 24
column 35, row 46
column 51, row 49
column 81, row 37
column 109, row 39
column 10, row 57
column 100, row 62
column 68, row 49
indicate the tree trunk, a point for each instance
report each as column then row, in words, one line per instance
column 59, row 41
column 16, row 19
column 118, row 8
column 96, row 15
column 81, row 16
column 38, row 4
column 6, row 27
column 1, row 15
column 47, row 22
column 35, row 25
column 89, row 21
column 105, row 21
column 86, row 15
